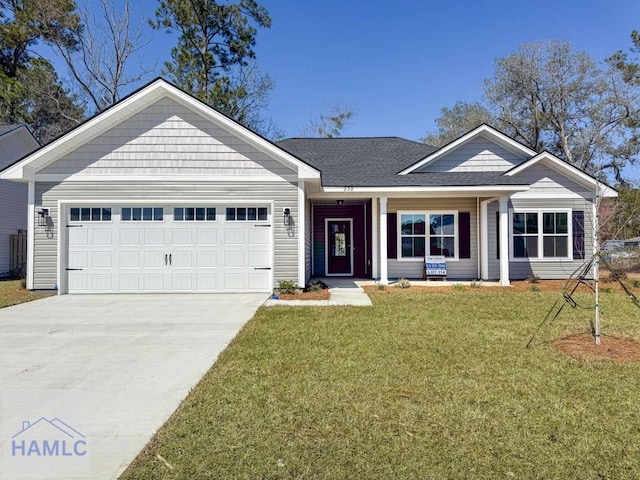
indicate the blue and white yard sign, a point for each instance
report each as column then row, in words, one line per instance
column 435, row 265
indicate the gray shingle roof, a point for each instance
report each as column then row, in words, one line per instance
column 7, row 128
column 376, row 161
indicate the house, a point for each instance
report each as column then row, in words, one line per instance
column 15, row 142
column 161, row 193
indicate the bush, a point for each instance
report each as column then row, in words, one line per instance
column 635, row 282
column 617, row 274
column 533, row 279
column 287, row 286
column 381, row 286
column 403, row 283
column 535, row 289
column 458, row 286
column 475, row 284
column 317, row 286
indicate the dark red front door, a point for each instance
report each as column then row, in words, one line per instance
column 339, row 246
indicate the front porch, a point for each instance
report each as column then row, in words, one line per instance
column 386, row 238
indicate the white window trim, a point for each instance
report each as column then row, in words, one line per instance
column 89, row 221
column 173, row 214
column 235, row 208
column 456, row 238
column 540, row 258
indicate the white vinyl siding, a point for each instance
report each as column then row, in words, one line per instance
column 167, row 139
column 544, row 180
column 463, row 268
column 476, row 155
column 282, row 194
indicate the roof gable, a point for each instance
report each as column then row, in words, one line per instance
column 484, row 131
column 26, row 168
column 566, row 169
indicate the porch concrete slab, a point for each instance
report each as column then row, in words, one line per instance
column 113, row 368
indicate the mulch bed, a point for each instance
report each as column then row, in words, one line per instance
column 319, row 295
column 615, row 349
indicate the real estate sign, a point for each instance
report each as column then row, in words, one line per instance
column 435, row 266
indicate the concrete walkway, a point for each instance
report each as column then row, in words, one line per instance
column 102, row 373
column 342, row 291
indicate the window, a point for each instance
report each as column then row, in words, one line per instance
column 197, row 214
column 89, row 214
column 142, row 214
column 439, row 239
column 247, row 214
column 540, row 234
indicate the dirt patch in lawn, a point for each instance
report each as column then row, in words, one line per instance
column 616, row 349
column 319, row 295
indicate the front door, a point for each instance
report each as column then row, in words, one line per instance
column 339, row 251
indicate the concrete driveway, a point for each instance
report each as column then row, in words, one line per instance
column 86, row 380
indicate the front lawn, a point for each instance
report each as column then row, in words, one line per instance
column 12, row 292
column 421, row 385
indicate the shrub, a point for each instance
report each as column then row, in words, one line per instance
column 458, row 286
column 475, row 284
column 403, row 283
column 317, row 286
column 535, row 289
column 287, row 286
column 381, row 286
column 617, row 274
column 635, row 282
column 533, row 279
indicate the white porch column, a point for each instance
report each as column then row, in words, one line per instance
column 384, row 280
column 302, row 229
column 374, row 238
column 504, row 240
column 31, row 213
column 484, row 240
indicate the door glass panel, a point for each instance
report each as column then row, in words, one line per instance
column 211, row 214
column 158, row 214
column 74, row 215
column 85, row 214
column 262, row 214
column 126, row 214
column 147, row 214
column 339, row 244
column 106, row 214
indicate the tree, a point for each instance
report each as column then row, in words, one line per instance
column 102, row 48
column 548, row 96
column 456, row 121
column 215, row 41
column 30, row 90
column 330, row 123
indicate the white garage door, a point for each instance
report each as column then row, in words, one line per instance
column 191, row 248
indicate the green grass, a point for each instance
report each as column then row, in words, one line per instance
column 419, row 386
column 13, row 293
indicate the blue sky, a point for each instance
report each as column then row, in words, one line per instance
column 397, row 63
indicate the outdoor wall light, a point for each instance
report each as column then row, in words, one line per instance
column 43, row 215
column 287, row 216
column 339, row 202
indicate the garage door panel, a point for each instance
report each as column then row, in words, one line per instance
column 207, row 236
column 181, row 260
column 234, row 236
column 193, row 254
column 206, row 259
column 102, row 237
column 78, row 236
column 130, row 259
column 102, row 259
column 234, row 281
column 154, row 236
column 206, row 282
column 153, row 282
column 154, row 259
column 130, row 236
column 181, row 236
column 259, row 280
column 129, row 283
column 259, row 236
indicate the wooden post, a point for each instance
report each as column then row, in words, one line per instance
column 18, row 252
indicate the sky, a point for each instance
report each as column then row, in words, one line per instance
column 397, row 63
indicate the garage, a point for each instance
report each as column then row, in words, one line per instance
column 157, row 248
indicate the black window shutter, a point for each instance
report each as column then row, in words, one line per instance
column 392, row 235
column 498, row 235
column 464, row 233
column 578, row 234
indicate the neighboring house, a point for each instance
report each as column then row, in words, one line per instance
column 15, row 142
column 161, row 193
